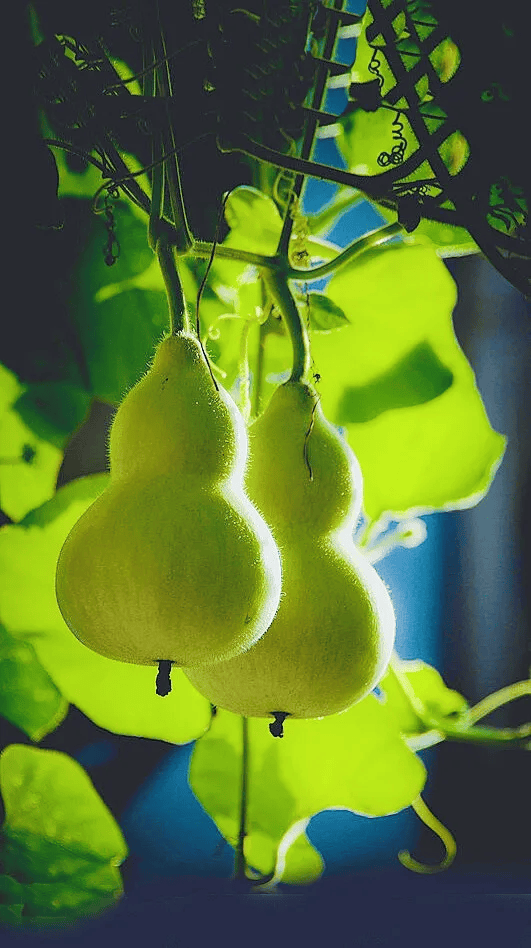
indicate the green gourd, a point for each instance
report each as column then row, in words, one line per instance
column 332, row 636
column 172, row 563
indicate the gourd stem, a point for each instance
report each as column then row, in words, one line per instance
column 179, row 321
column 184, row 238
column 157, row 193
column 277, row 284
column 240, row 865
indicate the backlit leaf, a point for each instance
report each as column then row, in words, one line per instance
column 429, row 689
column 356, row 761
column 115, row 695
column 28, row 696
column 432, row 446
column 28, row 464
column 61, row 844
column 117, row 332
column 324, row 314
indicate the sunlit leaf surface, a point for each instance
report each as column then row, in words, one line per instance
column 28, row 696
column 61, row 845
column 356, row 761
column 117, row 332
column 118, row 696
column 426, row 443
column 28, row 464
column 429, row 689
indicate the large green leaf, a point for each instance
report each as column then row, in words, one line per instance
column 428, row 444
column 61, row 845
column 28, row 696
column 118, row 696
column 29, row 464
column 356, row 761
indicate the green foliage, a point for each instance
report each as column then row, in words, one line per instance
column 117, row 335
column 323, row 313
column 61, row 847
column 117, row 696
column 387, row 366
column 28, row 696
column 28, row 462
column 427, row 444
column 357, row 760
column 53, row 410
column 426, row 694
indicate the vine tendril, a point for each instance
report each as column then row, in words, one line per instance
column 430, row 820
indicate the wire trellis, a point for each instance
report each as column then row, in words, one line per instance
column 256, row 78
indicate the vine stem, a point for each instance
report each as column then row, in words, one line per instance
column 497, row 699
column 179, row 321
column 376, row 237
column 277, row 284
column 183, row 236
column 275, row 264
column 240, row 864
column 157, row 195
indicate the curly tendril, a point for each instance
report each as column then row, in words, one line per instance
column 430, row 820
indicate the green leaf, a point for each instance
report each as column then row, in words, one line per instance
column 440, row 453
column 429, row 689
column 117, row 334
column 28, row 696
column 417, row 378
column 254, row 220
column 324, row 314
column 29, row 464
column 53, row 410
column 115, row 695
column 61, row 844
column 356, row 760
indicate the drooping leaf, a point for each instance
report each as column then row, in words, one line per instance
column 28, row 696
column 440, row 452
column 61, row 845
column 115, row 695
column 29, row 464
column 356, row 760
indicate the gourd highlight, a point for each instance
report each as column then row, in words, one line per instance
column 332, row 636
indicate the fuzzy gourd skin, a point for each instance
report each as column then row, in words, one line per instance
column 333, row 634
column 172, row 562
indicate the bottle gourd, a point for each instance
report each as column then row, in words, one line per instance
column 332, row 636
column 172, row 563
